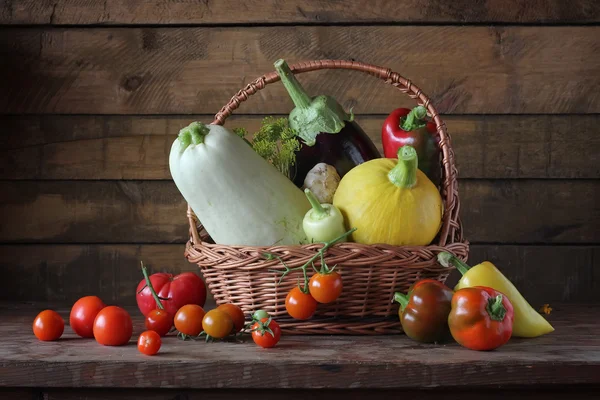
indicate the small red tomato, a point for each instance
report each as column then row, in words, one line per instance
column 159, row 321
column 113, row 326
column 149, row 343
column 262, row 336
column 179, row 290
column 217, row 324
column 48, row 325
column 300, row 305
column 83, row 314
column 236, row 314
column 325, row 288
column 188, row 319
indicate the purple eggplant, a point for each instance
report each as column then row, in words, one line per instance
column 326, row 132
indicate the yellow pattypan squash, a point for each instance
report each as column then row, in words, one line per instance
column 390, row 201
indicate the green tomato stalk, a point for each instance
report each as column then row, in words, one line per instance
column 323, row 222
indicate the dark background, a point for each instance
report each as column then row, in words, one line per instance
column 92, row 94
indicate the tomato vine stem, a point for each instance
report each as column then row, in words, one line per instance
column 320, row 253
column 149, row 284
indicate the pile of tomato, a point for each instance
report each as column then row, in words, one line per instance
column 169, row 304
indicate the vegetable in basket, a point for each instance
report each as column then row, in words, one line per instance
column 424, row 311
column 528, row 322
column 323, row 181
column 238, row 196
column 323, row 222
column 390, row 201
column 328, row 134
column 481, row 318
column 405, row 127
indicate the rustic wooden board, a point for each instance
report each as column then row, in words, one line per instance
column 575, row 392
column 477, row 69
column 570, row 355
column 295, row 11
column 512, row 211
column 543, row 274
column 137, row 147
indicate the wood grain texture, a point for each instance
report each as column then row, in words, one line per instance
column 570, row 355
column 137, row 147
column 513, row 211
column 576, row 392
column 474, row 70
column 294, row 11
column 53, row 273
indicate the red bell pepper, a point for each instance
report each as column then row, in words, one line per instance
column 408, row 127
column 481, row 318
column 424, row 311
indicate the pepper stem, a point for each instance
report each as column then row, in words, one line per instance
column 319, row 212
column 404, row 174
column 299, row 96
column 193, row 133
column 495, row 308
column 414, row 119
column 402, row 299
column 448, row 260
column 149, row 284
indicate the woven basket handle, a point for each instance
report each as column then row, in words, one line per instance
column 450, row 225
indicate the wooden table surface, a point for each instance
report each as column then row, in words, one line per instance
column 568, row 356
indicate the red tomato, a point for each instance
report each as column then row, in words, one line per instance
column 149, row 343
column 182, row 289
column 188, row 319
column 262, row 337
column 159, row 321
column 325, row 288
column 217, row 324
column 236, row 314
column 113, row 326
column 48, row 325
column 300, row 305
column 83, row 314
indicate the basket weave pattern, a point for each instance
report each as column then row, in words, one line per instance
column 371, row 273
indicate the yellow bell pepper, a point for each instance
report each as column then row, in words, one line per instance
column 528, row 322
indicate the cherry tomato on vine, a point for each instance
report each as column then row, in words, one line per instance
column 149, row 343
column 83, row 314
column 159, row 321
column 325, row 287
column 300, row 305
column 262, row 336
column 259, row 315
column 188, row 319
column 48, row 325
column 217, row 324
column 236, row 314
column 113, row 326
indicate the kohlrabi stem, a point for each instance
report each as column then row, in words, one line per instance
column 402, row 299
column 448, row 260
column 194, row 133
column 318, row 212
column 299, row 96
column 404, row 174
column 414, row 119
column 495, row 308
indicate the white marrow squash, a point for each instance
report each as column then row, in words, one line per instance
column 239, row 197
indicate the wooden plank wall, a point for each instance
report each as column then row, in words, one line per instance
column 93, row 93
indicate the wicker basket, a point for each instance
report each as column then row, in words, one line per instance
column 371, row 273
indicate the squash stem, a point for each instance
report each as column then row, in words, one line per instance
column 193, row 133
column 404, row 174
column 299, row 96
